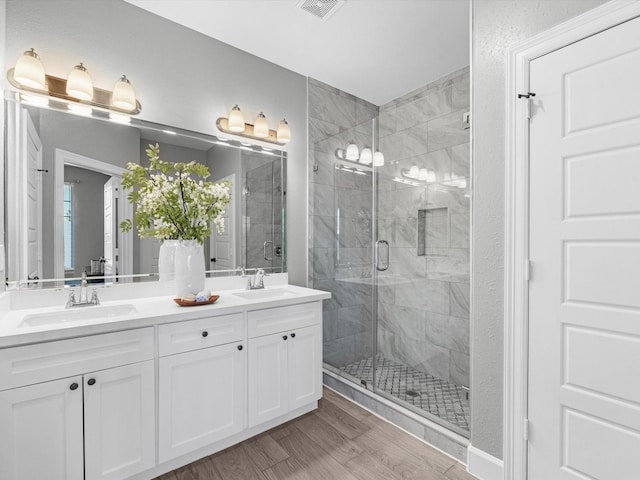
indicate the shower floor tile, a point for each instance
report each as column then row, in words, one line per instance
column 426, row 392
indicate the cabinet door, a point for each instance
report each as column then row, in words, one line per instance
column 119, row 421
column 202, row 398
column 268, row 383
column 305, row 366
column 41, row 431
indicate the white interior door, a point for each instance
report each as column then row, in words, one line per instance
column 110, row 228
column 584, row 297
column 223, row 255
column 33, row 221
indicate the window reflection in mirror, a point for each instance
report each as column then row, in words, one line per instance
column 55, row 221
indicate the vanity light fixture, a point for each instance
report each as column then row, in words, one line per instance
column 284, row 132
column 79, row 84
column 366, row 156
column 378, row 159
column 236, row 125
column 29, row 70
column 416, row 173
column 352, row 152
column 261, row 127
column 236, row 120
column 123, row 96
column 29, row 76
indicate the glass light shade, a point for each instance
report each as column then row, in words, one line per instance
column 352, row 152
column 29, row 70
column 123, row 96
column 284, row 133
column 261, row 127
column 378, row 159
column 236, row 120
column 79, row 84
column 366, row 156
column 431, row 176
column 414, row 171
column 423, row 175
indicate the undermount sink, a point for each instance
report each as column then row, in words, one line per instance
column 77, row 314
column 264, row 293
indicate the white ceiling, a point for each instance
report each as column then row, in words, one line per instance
column 377, row 50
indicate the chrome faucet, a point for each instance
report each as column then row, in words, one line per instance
column 84, row 301
column 257, row 281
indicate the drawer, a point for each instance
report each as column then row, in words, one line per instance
column 42, row 362
column 194, row 334
column 281, row 319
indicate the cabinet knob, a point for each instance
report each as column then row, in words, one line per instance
column 205, row 333
column 284, row 337
column 240, row 347
column 293, row 335
column 73, row 386
column 91, row 381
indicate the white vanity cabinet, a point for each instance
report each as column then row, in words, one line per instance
column 160, row 391
column 285, row 360
column 71, row 409
column 201, row 383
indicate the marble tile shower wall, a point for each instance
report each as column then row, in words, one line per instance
column 340, row 223
column 262, row 220
column 423, row 301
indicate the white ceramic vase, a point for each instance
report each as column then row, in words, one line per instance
column 167, row 260
column 189, row 263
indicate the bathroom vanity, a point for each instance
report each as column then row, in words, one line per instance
column 135, row 388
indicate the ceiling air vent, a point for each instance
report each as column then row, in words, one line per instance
column 321, row 9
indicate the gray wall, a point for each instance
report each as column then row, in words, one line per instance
column 181, row 77
column 496, row 25
column 88, row 213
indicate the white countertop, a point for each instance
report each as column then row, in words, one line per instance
column 149, row 311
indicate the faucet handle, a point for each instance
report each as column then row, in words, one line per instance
column 94, row 297
column 71, row 300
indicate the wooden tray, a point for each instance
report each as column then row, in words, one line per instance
column 193, row 303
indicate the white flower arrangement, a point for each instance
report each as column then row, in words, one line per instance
column 170, row 202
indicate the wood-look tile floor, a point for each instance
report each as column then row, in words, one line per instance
column 338, row 441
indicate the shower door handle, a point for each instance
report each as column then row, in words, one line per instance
column 381, row 266
column 264, row 250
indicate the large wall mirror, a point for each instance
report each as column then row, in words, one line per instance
column 64, row 201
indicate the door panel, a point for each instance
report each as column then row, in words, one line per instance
column 584, row 307
column 41, row 431
column 119, row 421
column 268, row 383
column 202, row 398
column 305, row 361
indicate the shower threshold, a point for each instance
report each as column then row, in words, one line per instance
column 422, row 391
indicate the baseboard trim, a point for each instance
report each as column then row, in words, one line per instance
column 483, row 465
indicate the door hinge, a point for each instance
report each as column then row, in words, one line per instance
column 527, row 270
column 525, row 431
